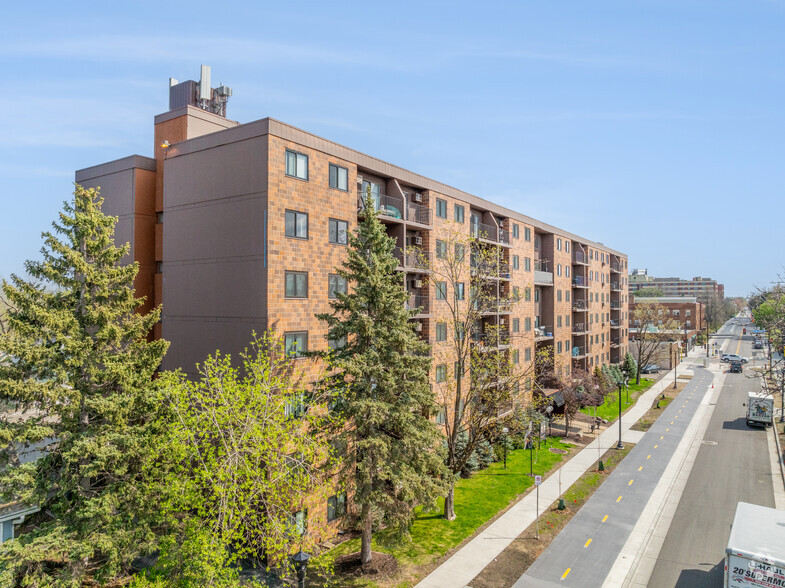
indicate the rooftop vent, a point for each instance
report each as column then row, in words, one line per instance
column 199, row 94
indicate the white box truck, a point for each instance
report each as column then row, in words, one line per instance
column 760, row 409
column 755, row 555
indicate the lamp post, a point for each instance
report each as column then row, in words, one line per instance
column 706, row 319
column 300, row 560
column 619, row 445
column 782, row 395
column 675, row 364
column 549, row 410
column 505, row 430
column 531, row 454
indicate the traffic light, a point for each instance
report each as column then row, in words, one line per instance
column 744, row 331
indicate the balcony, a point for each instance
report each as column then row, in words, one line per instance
column 489, row 233
column 493, row 305
column 615, row 286
column 419, row 303
column 413, row 260
column 543, row 333
column 492, row 340
column 580, row 329
column 387, row 207
column 580, row 282
column 580, row 305
column 616, row 342
column 579, row 352
column 615, row 267
column 615, row 305
column 580, row 258
column 489, row 271
column 417, row 213
column 543, row 275
column 615, row 324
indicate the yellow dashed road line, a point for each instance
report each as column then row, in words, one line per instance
column 640, row 468
column 564, row 575
column 605, row 518
column 586, row 544
column 618, row 499
column 630, row 483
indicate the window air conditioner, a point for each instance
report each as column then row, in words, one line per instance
column 418, row 326
column 418, row 240
column 359, row 179
column 417, row 283
column 417, row 197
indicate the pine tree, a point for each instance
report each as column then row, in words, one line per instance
column 380, row 386
column 80, row 384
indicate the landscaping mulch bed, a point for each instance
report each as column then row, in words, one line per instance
column 513, row 562
column 382, row 565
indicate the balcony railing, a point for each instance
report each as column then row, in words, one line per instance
column 616, row 286
column 543, row 332
column 579, row 328
column 542, row 265
column 580, row 304
column 417, row 213
column 412, row 258
column 388, row 206
column 578, row 352
column 615, row 305
column 615, row 342
column 580, row 281
column 500, row 338
column 615, row 267
column 417, row 301
column 490, row 270
column 580, row 257
column 489, row 233
column 615, row 323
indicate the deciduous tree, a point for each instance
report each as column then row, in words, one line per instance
column 653, row 327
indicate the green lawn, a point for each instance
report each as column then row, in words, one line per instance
column 609, row 410
column 477, row 500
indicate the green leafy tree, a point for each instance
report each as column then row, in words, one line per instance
column 380, row 388
column 652, row 329
column 249, row 452
column 81, row 388
column 649, row 293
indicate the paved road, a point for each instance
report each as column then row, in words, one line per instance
column 733, row 464
column 583, row 553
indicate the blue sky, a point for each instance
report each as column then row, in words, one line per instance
column 654, row 126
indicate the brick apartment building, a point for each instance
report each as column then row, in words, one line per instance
column 239, row 227
column 698, row 286
column 685, row 310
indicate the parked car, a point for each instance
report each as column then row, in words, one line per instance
column 726, row 357
column 735, row 367
column 758, row 344
column 650, row 369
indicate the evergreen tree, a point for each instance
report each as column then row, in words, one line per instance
column 80, row 385
column 630, row 367
column 381, row 389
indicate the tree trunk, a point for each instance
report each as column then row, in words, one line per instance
column 449, row 504
column 638, row 374
column 367, row 534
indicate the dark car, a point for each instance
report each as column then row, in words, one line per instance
column 650, row 369
column 758, row 344
column 735, row 367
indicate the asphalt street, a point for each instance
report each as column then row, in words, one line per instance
column 732, row 465
column 584, row 552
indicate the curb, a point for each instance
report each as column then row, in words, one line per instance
column 779, row 452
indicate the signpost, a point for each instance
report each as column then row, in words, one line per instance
column 537, row 482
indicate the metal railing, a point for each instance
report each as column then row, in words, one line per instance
column 418, row 213
column 580, row 304
column 492, row 339
column 542, row 265
column 615, row 286
column 417, row 301
column 615, row 267
column 543, row 331
column 489, row 233
column 615, row 305
column 578, row 352
column 580, row 281
column 579, row 257
column 413, row 258
column 615, row 323
column 579, row 328
column 389, row 206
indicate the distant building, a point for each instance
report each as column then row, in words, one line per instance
column 687, row 311
column 698, row 286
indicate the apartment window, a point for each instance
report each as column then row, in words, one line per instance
column 460, row 251
column 675, row 313
column 558, row 321
column 441, row 208
column 460, row 291
column 296, row 224
column 159, row 217
column 441, row 249
column 339, row 231
column 296, row 285
column 558, row 244
column 527, row 264
column 558, row 295
column 515, row 231
column 558, row 269
column 688, row 323
column 527, row 354
column 567, row 270
column 567, row 246
column 537, row 242
column 459, row 211
column 516, row 325
column 339, row 177
column 527, row 324
column 296, row 343
column 441, row 290
column 299, row 521
column 334, row 344
column 515, row 262
column 441, row 417
column 558, row 347
column 516, row 356
column 566, row 295
column 336, row 285
column 441, row 373
column 566, row 320
column 159, row 267
column 516, row 293
column 527, row 294
column 591, row 254
column 296, row 165
column 687, row 312
column 536, row 294
column 527, row 234
column 441, row 332
column 336, row 506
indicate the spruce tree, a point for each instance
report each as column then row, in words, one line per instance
column 80, row 387
column 380, row 387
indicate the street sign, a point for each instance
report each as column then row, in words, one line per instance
column 537, row 480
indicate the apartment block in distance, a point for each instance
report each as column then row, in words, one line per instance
column 240, row 227
column 698, row 286
column 684, row 310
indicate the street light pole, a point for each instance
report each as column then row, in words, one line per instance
column 706, row 319
column 619, row 444
column 505, row 430
column 675, row 359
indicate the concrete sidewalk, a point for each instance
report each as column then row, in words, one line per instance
column 473, row 557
